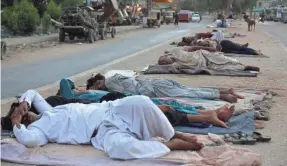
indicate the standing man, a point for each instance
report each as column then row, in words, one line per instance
column 176, row 18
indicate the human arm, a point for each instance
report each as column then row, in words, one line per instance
column 195, row 48
column 80, row 91
column 165, row 108
column 33, row 97
column 29, row 138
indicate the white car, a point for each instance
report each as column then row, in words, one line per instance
column 195, row 18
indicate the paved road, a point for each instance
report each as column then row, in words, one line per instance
column 276, row 29
column 17, row 79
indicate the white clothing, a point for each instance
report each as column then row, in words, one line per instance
column 124, row 127
column 218, row 36
column 204, row 59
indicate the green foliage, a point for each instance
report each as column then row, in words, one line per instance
column 41, row 5
column 46, row 22
column 65, row 3
column 21, row 18
column 53, row 10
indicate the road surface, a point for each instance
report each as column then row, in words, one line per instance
column 277, row 30
column 16, row 79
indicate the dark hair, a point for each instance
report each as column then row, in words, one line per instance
column 93, row 79
column 112, row 96
column 6, row 121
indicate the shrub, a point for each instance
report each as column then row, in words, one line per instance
column 46, row 22
column 53, row 10
column 21, row 18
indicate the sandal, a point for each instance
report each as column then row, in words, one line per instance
column 260, row 138
column 244, row 139
column 248, row 140
column 240, row 138
column 261, row 115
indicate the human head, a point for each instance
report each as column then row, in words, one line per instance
column 188, row 39
column 164, row 60
column 181, row 44
column 202, row 43
column 96, row 82
column 27, row 119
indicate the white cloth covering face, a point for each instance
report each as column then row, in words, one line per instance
column 125, row 126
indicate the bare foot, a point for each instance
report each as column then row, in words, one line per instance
column 228, row 97
column 224, row 113
column 215, row 119
column 178, row 144
column 232, row 91
column 259, row 52
column 185, row 137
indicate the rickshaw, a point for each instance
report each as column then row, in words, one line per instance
column 154, row 19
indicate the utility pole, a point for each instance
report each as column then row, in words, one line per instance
column 148, row 6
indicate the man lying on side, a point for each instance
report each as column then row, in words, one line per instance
column 195, row 57
column 122, row 128
column 157, row 88
column 175, row 117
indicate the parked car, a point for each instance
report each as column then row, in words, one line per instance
column 195, row 18
column 184, row 15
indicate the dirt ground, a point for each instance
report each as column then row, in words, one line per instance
column 273, row 76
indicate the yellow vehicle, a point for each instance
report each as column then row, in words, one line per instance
column 154, row 19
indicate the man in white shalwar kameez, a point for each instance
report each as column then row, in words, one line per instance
column 122, row 128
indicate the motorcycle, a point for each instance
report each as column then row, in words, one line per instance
column 261, row 19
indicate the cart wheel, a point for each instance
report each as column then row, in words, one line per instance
column 62, row 35
column 91, row 36
column 71, row 37
column 103, row 35
column 3, row 49
column 113, row 33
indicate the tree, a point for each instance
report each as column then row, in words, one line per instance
column 53, row 10
column 21, row 18
column 41, row 5
column 46, row 22
column 65, row 3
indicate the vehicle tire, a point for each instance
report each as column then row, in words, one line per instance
column 3, row 49
column 62, row 35
column 71, row 37
column 102, row 34
column 91, row 36
column 149, row 25
column 113, row 32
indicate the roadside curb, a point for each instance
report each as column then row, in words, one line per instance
column 93, row 70
column 55, row 36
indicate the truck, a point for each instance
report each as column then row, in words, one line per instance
column 89, row 22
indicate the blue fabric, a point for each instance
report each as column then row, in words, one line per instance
column 66, row 90
column 244, row 123
column 176, row 106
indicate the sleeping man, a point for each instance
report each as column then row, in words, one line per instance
column 195, row 57
column 154, row 88
column 122, row 128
